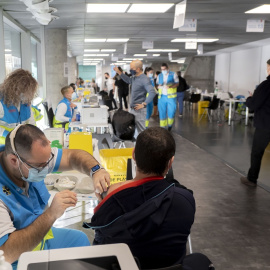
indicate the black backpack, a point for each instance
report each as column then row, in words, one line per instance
column 123, row 124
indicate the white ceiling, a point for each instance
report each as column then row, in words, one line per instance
column 223, row 19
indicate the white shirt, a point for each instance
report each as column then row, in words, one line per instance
column 109, row 84
column 61, row 111
column 165, row 79
column 6, row 220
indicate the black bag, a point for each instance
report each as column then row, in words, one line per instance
column 123, row 125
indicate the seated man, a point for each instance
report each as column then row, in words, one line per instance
column 26, row 220
column 151, row 214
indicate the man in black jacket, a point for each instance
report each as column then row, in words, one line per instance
column 151, row 214
column 182, row 87
column 260, row 103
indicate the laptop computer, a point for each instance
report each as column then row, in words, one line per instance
column 103, row 257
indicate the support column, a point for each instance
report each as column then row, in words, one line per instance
column 2, row 48
column 56, row 56
column 72, row 70
column 26, row 50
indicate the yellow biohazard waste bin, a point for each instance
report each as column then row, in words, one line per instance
column 81, row 140
column 202, row 104
column 115, row 162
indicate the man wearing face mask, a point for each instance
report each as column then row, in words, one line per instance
column 26, row 219
column 140, row 86
column 259, row 102
column 167, row 96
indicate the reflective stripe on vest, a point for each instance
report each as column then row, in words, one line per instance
column 41, row 245
column 171, row 92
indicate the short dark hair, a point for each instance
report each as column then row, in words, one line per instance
column 107, row 73
column 73, row 86
column 268, row 62
column 25, row 136
column 158, row 72
column 147, row 69
column 164, row 65
column 154, row 148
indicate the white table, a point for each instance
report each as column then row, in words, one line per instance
column 231, row 101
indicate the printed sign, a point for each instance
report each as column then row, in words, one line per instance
column 190, row 25
column 255, row 26
column 148, row 45
column 191, row 46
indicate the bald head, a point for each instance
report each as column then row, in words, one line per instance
column 136, row 64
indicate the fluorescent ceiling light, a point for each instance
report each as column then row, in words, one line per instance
column 140, row 54
column 90, row 54
column 91, row 50
column 8, row 50
column 162, row 50
column 132, row 59
column 108, row 50
column 195, row 40
column 150, row 8
column 117, row 39
column 96, row 59
column 90, row 64
column 121, row 61
column 260, row 10
column 107, row 8
column 156, row 55
column 95, row 40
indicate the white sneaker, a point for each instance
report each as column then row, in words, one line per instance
column 180, row 115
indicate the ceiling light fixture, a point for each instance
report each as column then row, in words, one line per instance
column 195, row 40
column 95, row 59
column 132, row 59
column 264, row 9
column 108, row 50
column 8, row 50
column 140, row 54
column 95, row 40
column 90, row 54
column 117, row 39
column 107, row 8
column 155, row 55
column 150, row 8
column 91, row 50
column 162, row 50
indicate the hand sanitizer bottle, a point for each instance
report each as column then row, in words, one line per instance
column 3, row 264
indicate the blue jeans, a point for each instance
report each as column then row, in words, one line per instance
column 180, row 99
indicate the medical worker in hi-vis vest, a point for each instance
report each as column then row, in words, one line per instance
column 167, row 95
column 16, row 94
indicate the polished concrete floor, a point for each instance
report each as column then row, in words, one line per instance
column 232, row 222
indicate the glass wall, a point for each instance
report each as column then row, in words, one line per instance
column 13, row 59
column 34, row 58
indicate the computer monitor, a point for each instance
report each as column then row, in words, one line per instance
column 103, row 257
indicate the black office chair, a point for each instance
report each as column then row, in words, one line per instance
column 195, row 98
column 50, row 115
column 212, row 107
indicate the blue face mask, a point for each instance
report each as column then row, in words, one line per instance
column 34, row 175
column 133, row 72
column 164, row 72
column 150, row 75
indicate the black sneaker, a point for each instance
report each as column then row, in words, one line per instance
column 245, row 181
column 169, row 128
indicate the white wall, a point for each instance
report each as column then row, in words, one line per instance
column 240, row 71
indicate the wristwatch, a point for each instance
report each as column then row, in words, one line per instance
column 144, row 104
column 95, row 169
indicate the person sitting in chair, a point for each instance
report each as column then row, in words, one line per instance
column 151, row 214
column 66, row 110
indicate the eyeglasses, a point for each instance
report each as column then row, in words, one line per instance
column 39, row 169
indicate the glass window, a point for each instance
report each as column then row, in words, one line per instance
column 13, row 59
column 34, row 58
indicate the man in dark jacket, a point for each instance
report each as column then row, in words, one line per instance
column 260, row 104
column 182, row 87
column 151, row 214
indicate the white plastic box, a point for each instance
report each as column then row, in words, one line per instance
column 94, row 116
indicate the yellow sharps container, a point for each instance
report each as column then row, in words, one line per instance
column 81, row 140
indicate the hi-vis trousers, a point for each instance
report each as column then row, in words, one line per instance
column 166, row 108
